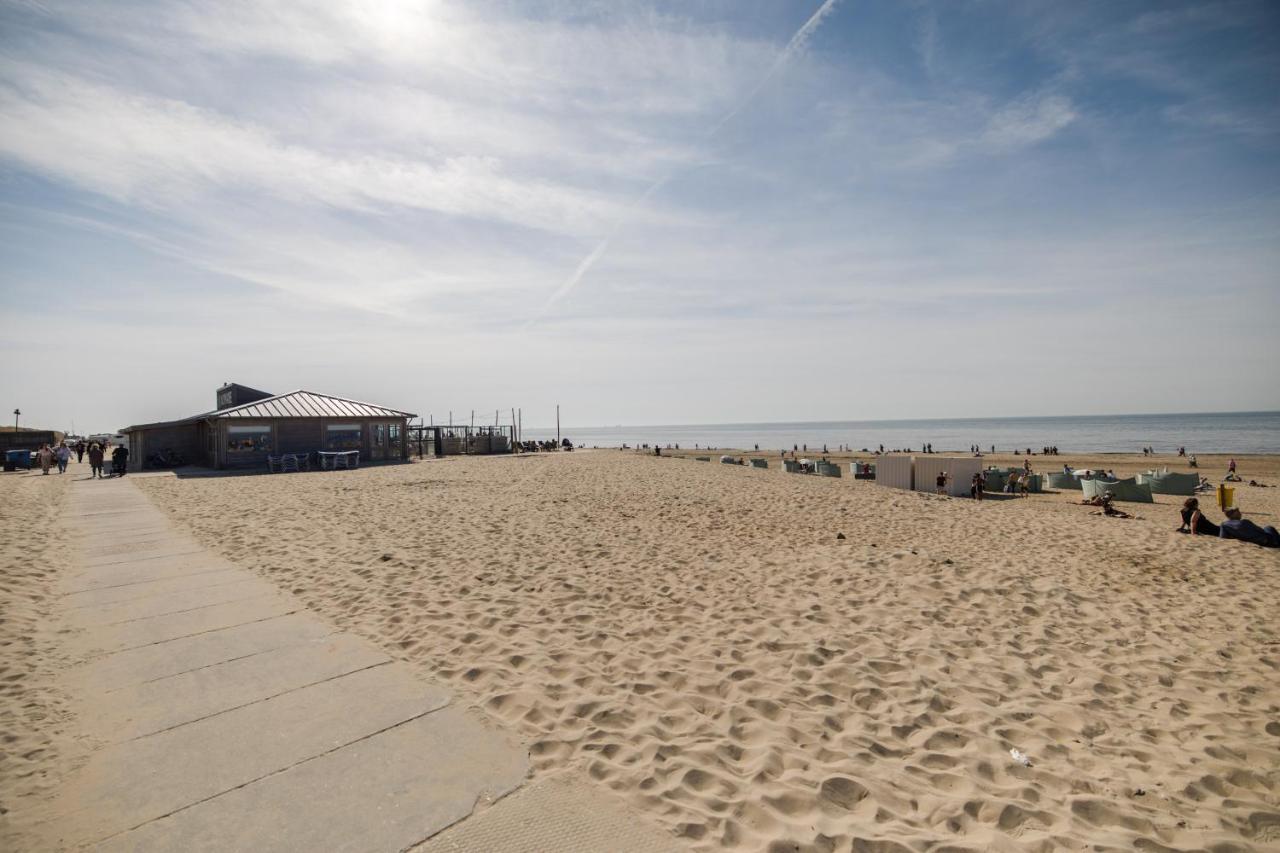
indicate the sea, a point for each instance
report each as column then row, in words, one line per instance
column 1201, row 432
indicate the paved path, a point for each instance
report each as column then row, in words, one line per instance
column 230, row 718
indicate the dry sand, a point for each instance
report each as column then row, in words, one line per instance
column 37, row 734
column 695, row 638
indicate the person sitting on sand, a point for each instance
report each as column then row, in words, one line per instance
column 1193, row 520
column 1236, row 526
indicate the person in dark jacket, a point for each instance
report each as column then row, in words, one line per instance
column 120, row 460
column 1237, row 527
column 80, row 449
column 95, row 460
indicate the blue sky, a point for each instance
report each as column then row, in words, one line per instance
column 650, row 212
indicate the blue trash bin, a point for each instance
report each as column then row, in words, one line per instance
column 18, row 458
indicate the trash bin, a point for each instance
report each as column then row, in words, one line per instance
column 18, row 458
column 1226, row 496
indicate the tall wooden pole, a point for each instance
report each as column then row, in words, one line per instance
column 557, row 424
column 520, row 422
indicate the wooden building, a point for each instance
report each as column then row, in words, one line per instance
column 248, row 425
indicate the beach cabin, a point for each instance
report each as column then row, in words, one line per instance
column 896, row 472
column 249, row 425
column 959, row 471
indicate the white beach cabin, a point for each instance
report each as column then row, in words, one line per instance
column 894, row 472
column 959, row 471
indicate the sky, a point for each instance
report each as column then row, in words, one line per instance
column 651, row 212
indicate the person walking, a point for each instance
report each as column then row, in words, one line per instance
column 95, row 461
column 45, row 457
column 80, row 449
column 62, row 455
column 120, row 460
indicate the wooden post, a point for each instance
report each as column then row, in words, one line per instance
column 557, row 426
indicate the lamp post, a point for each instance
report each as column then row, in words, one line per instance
column 16, row 412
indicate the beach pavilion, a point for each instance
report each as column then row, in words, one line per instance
column 249, row 425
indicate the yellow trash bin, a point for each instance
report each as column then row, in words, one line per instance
column 1226, row 496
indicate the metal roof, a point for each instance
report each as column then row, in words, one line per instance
column 295, row 404
column 308, row 404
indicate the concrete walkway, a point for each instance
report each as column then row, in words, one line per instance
column 230, row 718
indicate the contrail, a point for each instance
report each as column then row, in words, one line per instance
column 797, row 44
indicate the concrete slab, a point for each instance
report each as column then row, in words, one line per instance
column 133, row 545
column 160, row 629
column 385, row 793
column 99, row 596
column 150, row 663
column 123, row 527
column 179, row 548
column 561, row 813
column 131, row 573
column 128, row 785
column 165, row 604
column 155, row 706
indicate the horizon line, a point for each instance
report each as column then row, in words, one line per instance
column 929, row 419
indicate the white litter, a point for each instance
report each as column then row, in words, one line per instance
column 1020, row 757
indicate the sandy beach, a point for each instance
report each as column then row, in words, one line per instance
column 37, row 727
column 696, row 638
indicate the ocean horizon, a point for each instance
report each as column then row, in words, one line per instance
column 1198, row 432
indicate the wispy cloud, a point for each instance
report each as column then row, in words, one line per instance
column 795, row 45
column 747, row 186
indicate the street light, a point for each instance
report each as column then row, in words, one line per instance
column 16, row 412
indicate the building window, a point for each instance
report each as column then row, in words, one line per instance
column 249, row 439
column 379, row 435
column 393, row 431
column 342, row 437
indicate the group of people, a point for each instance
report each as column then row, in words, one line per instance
column 60, row 456
column 49, row 456
column 1234, row 526
column 545, row 446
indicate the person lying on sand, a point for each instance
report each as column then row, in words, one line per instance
column 1236, row 526
column 1110, row 511
column 1107, row 508
column 1194, row 522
